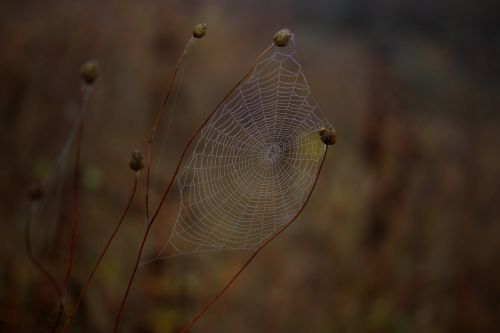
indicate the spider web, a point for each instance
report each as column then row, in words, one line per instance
column 254, row 162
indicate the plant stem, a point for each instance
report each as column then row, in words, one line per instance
column 163, row 199
column 101, row 256
column 60, row 312
column 34, row 260
column 245, row 265
column 38, row 264
column 76, row 185
column 157, row 124
column 122, row 305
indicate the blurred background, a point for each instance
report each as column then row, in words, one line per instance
column 401, row 235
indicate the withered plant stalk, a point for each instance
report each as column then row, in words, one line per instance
column 167, row 190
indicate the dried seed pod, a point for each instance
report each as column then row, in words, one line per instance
column 136, row 161
column 328, row 136
column 90, row 72
column 282, row 37
column 200, row 30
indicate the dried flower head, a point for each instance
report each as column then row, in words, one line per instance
column 35, row 192
column 282, row 37
column 200, row 30
column 136, row 161
column 90, row 71
column 328, row 136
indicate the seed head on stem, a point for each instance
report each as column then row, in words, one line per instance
column 328, row 136
column 90, row 72
column 136, row 161
column 200, row 30
column 282, row 37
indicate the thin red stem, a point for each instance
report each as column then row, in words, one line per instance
column 193, row 137
column 101, row 256
column 122, row 305
column 269, row 240
column 162, row 201
column 76, row 186
column 34, row 260
column 157, row 124
column 60, row 312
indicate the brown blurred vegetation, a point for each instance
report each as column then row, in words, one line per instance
column 402, row 233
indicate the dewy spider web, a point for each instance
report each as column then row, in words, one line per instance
column 254, row 162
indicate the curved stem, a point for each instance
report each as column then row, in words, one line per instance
column 167, row 190
column 193, row 137
column 139, row 255
column 76, row 185
column 60, row 312
column 269, row 240
column 101, row 256
column 52, row 280
column 34, row 260
column 157, row 124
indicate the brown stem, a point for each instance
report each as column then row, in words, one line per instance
column 122, row 305
column 76, row 185
column 269, row 240
column 34, row 260
column 62, row 289
column 60, row 312
column 157, row 124
column 162, row 201
column 101, row 256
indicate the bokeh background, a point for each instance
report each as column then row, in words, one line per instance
column 402, row 233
